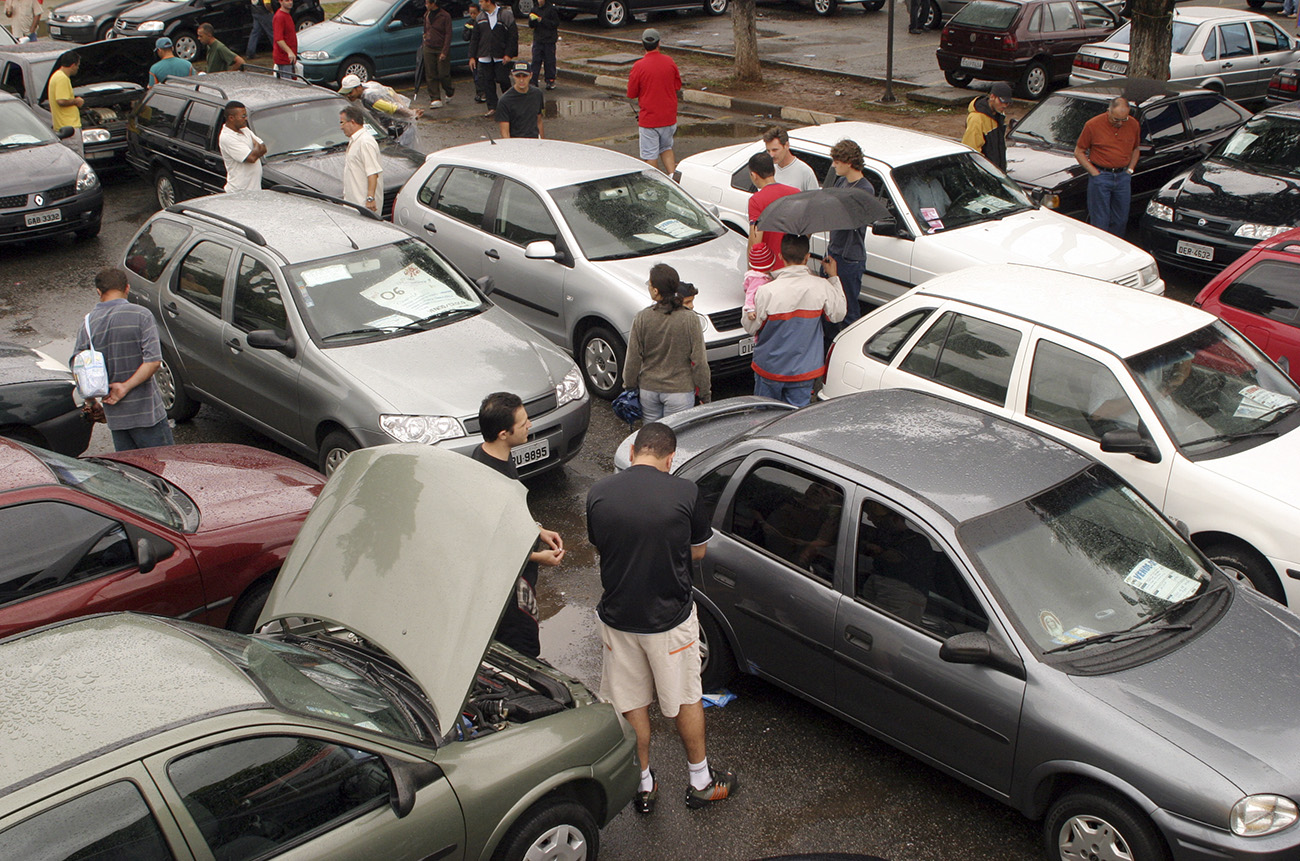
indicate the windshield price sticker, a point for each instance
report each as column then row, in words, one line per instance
column 1257, row 402
column 1161, row 582
column 412, row 291
column 325, row 275
column 675, row 228
column 1077, row 634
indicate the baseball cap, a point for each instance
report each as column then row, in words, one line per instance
column 521, row 68
column 163, row 42
column 349, row 83
column 650, row 37
column 1002, row 90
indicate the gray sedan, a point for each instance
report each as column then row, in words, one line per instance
column 1007, row 610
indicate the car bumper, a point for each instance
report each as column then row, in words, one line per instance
column 729, row 354
column 1193, row 841
column 75, row 213
column 320, row 71
column 990, row 69
column 80, row 33
column 1161, row 238
column 1077, row 78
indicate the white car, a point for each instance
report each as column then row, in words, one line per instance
column 951, row 209
column 1173, row 399
column 1230, row 51
column 568, row 234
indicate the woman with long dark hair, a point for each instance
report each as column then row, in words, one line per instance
column 665, row 350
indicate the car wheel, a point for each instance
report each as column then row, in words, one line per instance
column 1255, row 4
column 933, row 18
column 164, row 188
column 717, row 662
column 1100, row 826
column 1248, row 568
column 176, row 401
column 102, row 33
column 243, row 618
column 305, row 23
column 873, row 5
column 567, row 14
column 186, row 45
column 557, row 828
column 613, row 13
column 719, row 7
column 357, row 65
column 1035, row 81
column 957, row 79
column 335, row 449
column 600, row 355
column 825, row 7
column 523, row 7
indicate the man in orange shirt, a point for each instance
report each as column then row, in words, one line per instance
column 1108, row 150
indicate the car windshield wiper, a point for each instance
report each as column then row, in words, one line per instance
column 344, row 19
column 445, row 313
column 374, row 330
column 1231, row 437
column 1034, row 134
column 1143, row 627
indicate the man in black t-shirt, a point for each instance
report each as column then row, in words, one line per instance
column 504, row 424
column 649, row 528
column 519, row 112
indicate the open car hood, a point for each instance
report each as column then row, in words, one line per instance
column 414, row 549
column 125, row 60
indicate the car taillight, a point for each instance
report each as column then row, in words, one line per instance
column 1285, row 83
column 1009, row 41
column 1085, row 62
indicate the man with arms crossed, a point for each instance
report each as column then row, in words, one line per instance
column 241, row 150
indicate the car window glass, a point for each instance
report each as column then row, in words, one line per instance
column 257, row 302
column 521, row 217
column 1268, row 142
column 968, row 354
column 411, row 13
column 1268, row 38
column 1163, row 123
column 464, row 195
column 1058, row 119
column 792, row 516
column 154, row 248
column 1270, row 289
column 712, row 485
column 1209, row 113
column 821, row 166
column 77, row 545
column 253, row 796
column 159, row 112
column 740, row 180
column 989, row 14
column 429, row 191
column 1211, row 49
column 1076, row 393
column 899, row 570
column 953, row 191
column 1063, row 16
column 307, row 126
column 199, row 124
column 1036, row 20
column 112, row 822
column 884, row 344
column 1095, row 15
column 201, row 277
column 1234, row 41
column 12, row 79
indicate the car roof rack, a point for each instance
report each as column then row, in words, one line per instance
column 187, row 209
column 188, row 83
column 271, row 72
column 328, row 198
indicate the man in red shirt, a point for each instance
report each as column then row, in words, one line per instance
column 765, row 247
column 1108, row 150
column 284, row 50
column 654, row 83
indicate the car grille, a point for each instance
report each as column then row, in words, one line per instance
column 730, row 365
column 724, row 320
column 1133, row 279
column 60, row 192
column 124, row 26
column 13, row 201
column 537, row 407
column 1211, row 225
column 18, row 201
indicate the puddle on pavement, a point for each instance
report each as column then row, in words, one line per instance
column 569, row 641
column 571, row 108
column 721, row 129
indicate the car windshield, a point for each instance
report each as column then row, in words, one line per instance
column 310, row 684
column 633, row 215
column 1213, row 388
column 19, row 127
column 305, row 127
column 1182, row 35
column 145, row 494
column 987, row 14
column 1086, row 559
column 956, row 190
column 364, row 12
column 381, row 292
column 1270, row 143
column 1058, row 120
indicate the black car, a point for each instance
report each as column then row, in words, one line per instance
column 173, row 136
column 1179, row 124
column 231, row 20
column 45, row 188
column 112, row 78
column 616, row 13
column 36, row 402
column 86, row 20
column 1246, row 191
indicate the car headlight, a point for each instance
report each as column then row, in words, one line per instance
column 81, row 19
column 315, row 55
column 1257, row 815
column 95, row 136
column 86, row 177
column 423, row 429
column 1149, row 273
column 1160, row 211
column 571, row 388
column 1259, row 231
column 151, row 26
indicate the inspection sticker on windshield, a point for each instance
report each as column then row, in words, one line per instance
column 411, row 290
column 1256, row 402
column 675, row 228
column 1161, row 582
column 325, row 275
column 1077, row 634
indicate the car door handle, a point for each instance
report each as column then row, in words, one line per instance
column 1264, row 61
column 857, row 637
column 235, row 345
column 431, row 227
column 172, row 309
column 492, row 252
column 1227, row 65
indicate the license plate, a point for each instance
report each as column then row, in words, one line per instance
column 971, row 63
column 1192, row 249
column 746, row 347
column 55, row 31
column 533, row 452
column 36, row 219
column 1117, row 68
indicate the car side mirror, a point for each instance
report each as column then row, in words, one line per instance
column 1130, row 441
column 977, row 647
column 394, row 25
column 486, row 284
column 541, row 249
column 884, row 227
column 145, row 558
column 265, row 339
column 405, row 780
column 65, row 133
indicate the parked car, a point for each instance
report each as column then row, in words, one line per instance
column 343, row 333
column 616, row 13
column 830, row 7
column 173, row 137
column 1260, row 296
column 1230, row 51
column 38, row 405
column 1284, row 86
column 111, row 79
column 988, row 218
column 231, row 20
column 391, row 728
column 1179, row 126
column 374, row 38
column 1246, row 191
column 1006, row 609
column 1030, row 43
column 191, row 531
column 86, row 20
column 568, row 234
column 46, row 189
column 1177, row 402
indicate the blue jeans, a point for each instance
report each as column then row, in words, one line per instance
column 284, row 70
column 261, row 27
column 129, row 439
column 850, row 273
column 795, row 394
column 1108, row 199
column 656, row 405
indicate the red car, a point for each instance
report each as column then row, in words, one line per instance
column 192, row 531
column 1260, row 295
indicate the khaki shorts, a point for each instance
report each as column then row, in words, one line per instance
column 637, row 666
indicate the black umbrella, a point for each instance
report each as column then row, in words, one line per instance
column 822, row 209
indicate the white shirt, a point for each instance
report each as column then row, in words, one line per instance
column 361, row 162
column 235, row 147
column 799, row 175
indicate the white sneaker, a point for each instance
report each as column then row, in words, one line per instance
column 436, row 103
column 447, row 99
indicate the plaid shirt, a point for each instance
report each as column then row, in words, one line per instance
column 128, row 338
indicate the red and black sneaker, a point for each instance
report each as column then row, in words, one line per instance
column 723, row 786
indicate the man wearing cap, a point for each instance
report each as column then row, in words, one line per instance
column 385, row 104
column 519, row 112
column 168, row 63
column 654, row 82
column 1108, row 150
column 284, row 50
column 493, row 46
column 986, row 124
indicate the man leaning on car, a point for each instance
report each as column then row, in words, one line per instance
column 1108, row 150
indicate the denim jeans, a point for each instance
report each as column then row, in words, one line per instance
column 795, row 394
column 1108, row 199
column 656, row 405
column 150, row 437
column 850, row 274
column 261, row 27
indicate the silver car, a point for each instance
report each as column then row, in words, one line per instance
column 568, row 234
column 329, row 330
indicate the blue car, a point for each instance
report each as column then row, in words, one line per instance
column 373, row 38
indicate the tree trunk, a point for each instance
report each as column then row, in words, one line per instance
column 744, row 27
column 1151, row 39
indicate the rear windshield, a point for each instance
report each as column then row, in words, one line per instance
column 1182, row 35
column 987, row 13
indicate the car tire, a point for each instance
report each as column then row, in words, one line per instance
column 1255, row 4
column 522, row 8
column 164, row 188
column 357, row 65
column 718, row 7
column 243, row 619
column 960, row 80
column 178, row 404
column 933, row 18
column 1095, row 823
column 186, row 45
column 1248, row 568
column 104, row 29
column 567, row 14
column 334, row 449
column 613, row 13
column 307, row 22
column 600, row 355
column 826, row 8
column 1035, row 82
column 552, row 828
column 873, row 5
column 717, row 661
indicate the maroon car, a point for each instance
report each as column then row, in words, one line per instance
column 1030, row 43
column 192, row 531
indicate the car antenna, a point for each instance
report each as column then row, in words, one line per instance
column 355, row 247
